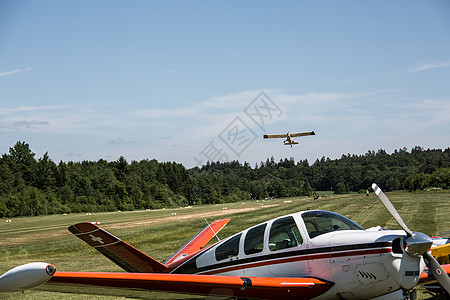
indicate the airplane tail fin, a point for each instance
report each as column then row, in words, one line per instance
column 198, row 241
column 122, row 254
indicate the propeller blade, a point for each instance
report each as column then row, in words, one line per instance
column 437, row 271
column 391, row 209
column 416, row 243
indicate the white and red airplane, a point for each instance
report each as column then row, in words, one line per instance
column 306, row 255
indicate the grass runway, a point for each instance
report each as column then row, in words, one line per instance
column 159, row 233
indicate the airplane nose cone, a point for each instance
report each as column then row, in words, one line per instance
column 418, row 244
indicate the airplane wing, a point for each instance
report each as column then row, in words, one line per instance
column 427, row 277
column 441, row 253
column 231, row 286
column 275, row 136
column 198, row 241
column 303, row 133
column 124, row 255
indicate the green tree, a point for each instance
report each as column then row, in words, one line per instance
column 21, row 161
column 45, row 173
column 341, row 188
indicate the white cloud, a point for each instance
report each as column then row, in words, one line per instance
column 299, row 112
column 210, row 109
column 313, row 97
column 58, row 118
column 14, row 124
column 8, row 73
column 235, row 101
column 429, row 66
column 123, row 141
column 119, row 141
column 167, row 112
column 13, row 72
column 327, row 97
column 436, row 112
column 23, row 109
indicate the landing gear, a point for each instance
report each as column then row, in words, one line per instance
column 409, row 295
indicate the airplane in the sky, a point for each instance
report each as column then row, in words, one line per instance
column 312, row 254
column 288, row 136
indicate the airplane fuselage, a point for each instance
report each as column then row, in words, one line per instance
column 289, row 141
column 362, row 264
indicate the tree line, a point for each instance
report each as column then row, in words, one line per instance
column 30, row 186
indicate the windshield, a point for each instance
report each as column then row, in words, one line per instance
column 320, row 222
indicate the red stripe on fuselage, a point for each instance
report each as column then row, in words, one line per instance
column 298, row 258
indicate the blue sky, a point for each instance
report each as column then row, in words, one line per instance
column 186, row 81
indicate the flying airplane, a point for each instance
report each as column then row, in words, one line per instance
column 312, row 254
column 288, row 136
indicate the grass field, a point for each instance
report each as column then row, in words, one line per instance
column 159, row 233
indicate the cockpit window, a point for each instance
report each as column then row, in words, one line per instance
column 284, row 234
column 254, row 240
column 320, row 222
column 229, row 248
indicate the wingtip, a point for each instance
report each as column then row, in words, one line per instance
column 376, row 189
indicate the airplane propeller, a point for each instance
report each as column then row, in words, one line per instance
column 417, row 243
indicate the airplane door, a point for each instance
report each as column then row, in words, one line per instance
column 318, row 252
column 285, row 244
column 253, row 250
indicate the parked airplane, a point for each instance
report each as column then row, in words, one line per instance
column 310, row 254
column 288, row 136
column 442, row 253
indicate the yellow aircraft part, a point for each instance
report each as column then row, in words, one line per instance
column 442, row 254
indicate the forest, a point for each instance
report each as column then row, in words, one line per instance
column 30, row 186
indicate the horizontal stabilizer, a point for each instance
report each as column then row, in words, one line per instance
column 231, row 286
column 198, row 241
column 122, row 254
